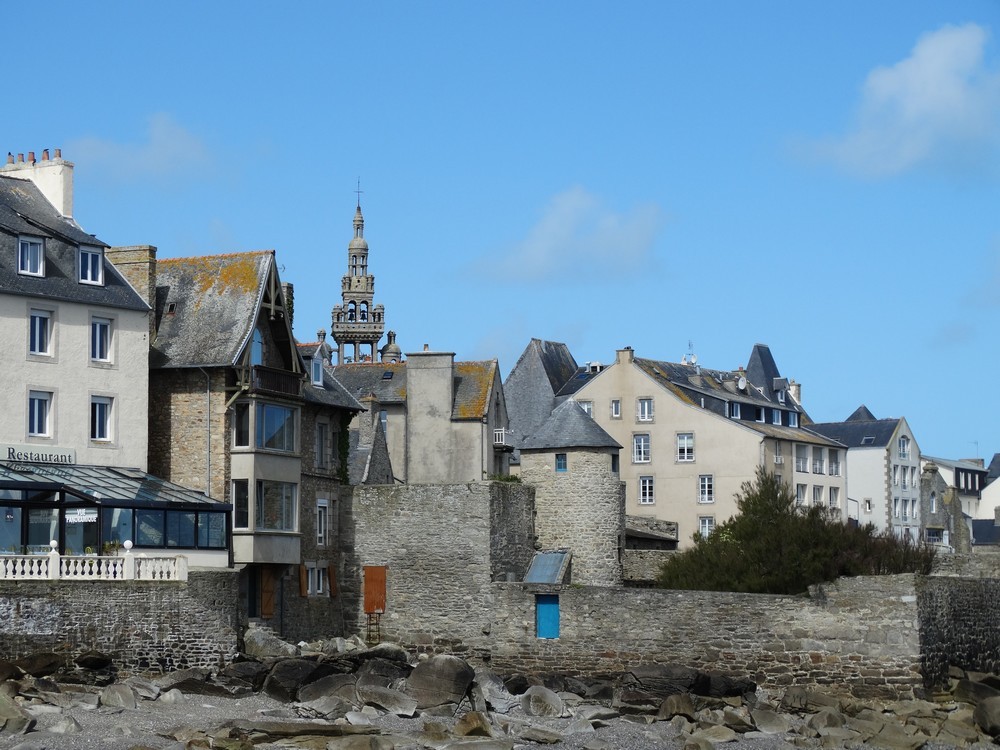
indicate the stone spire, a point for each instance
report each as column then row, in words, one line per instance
column 356, row 321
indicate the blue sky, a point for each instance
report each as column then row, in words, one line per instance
column 820, row 177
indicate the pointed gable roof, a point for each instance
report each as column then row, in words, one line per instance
column 861, row 414
column 207, row 307
column 761, row 369
column 569, row 426
column 541, row 371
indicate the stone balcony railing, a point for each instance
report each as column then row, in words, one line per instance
column 126, row 567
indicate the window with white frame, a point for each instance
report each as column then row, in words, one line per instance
column 800, row 494
column 913, row 508
column 322, row 520
column 322, row 445
column 31, row 256
column 758, row 414
column 646, row 496
column 640, row 449
column 91, row 265
column 706, row 525
column 685, row 446
column 793, row 419
column 587, row 406
column 835, row 498
column 316, row 581
column 781, row 396
column 317, row 371
column 801, row 457
column 895, row 507
column 100, row 418
column 868, row 505
column 913, row 477
column 834, row 462
column 895, row 475
column 644, row 410
column 904, row 448
column 778, row 458
column 40, row 332
column 734, row 410
column 818, row 462
column 706, row 488
column 817, row 495
column 100, row 339
column 775, row 416
column 39, row 413
column 616, row 408
column 933, row 503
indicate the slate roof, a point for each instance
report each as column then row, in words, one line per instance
column 569, row 426
column 472, row 385
column 540, row 372
column 861, row 414
column 857, row 433
column 215, row 299
column 333, row 393
column 993, row 470
column 985, row 531
column 24, row 210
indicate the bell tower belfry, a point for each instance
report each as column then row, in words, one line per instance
column 356, row 321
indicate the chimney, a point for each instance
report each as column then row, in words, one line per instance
column 795, row 389
column 288, row 292
column 54, row 177
column 367, row 420
column 137, row 263
column 625, row 356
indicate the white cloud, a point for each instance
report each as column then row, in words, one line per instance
column 579, row 237
column 168, row 150
column 939, row 107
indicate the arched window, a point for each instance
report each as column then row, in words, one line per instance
column 350, row 312
column 364, row 312
column 257, row 348
column 354, row 265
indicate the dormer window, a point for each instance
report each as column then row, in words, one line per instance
column 317, row 371
column 31, row 256
column 781, row 396
column 91, row 265
column 257, row 348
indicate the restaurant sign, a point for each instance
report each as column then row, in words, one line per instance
column 37, row 454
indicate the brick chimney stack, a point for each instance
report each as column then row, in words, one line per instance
column 54, row 177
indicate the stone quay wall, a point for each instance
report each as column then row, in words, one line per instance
column 146, row 626
column 857, row 635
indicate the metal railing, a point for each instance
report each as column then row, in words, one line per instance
column 270, row 380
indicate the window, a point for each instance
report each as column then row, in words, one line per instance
column 91, row 265
column 913, row 508
column 817, row 460
column 646, row 491
column 895, row 507
column 706, row 525
column 706, row 488
column 835, row 498
column 322, row 445
column 734, row 410
column 257, row 348
column 868, row 505
column 685, row 446
column 644, row 410
column 800, row 494
column 322, row 519
column 317, row 371
column 895, row 475
column 100, row 418
column 868, row 440
column 241, row 504
column 40, row 332
column 615, row 463
column 241, row 424
column 616, row 408
column 935, row 536
column 587, row 406
column 758, row 414
column 775, row 416
column 781, row 397
column 100, row 339
column 778, row 458
column 31, row 256
column 275, row 427
column 316, row 581
column 834, row 462
column 560, row 462
column 275, row 506
column 817, row 495
column 801, row 458
column 39, row 408
column 212, row 530
column 640, row 449
column 383, row 419
column 904, row 448
column 933, row 503
column 904, row 477
column 793, row 419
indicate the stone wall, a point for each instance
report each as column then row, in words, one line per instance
column 984, row 562
column 642, row 566
column 147, row 626
column 434, row 540
column 858, row 635
column 958, row 625
column 581, row 509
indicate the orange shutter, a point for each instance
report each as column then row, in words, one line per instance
column 303, row 581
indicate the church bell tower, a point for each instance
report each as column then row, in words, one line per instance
column 356, row 321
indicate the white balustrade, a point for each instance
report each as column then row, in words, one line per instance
column 126, row 567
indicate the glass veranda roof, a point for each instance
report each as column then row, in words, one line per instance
column 104, row 485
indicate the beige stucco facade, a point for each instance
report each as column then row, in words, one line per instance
column 68, row 373
column 697, row 460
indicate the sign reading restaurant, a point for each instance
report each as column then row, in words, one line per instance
column 36, row 454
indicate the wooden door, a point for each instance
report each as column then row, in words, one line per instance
column 374, row 589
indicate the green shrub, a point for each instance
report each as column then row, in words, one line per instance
column 772, row 546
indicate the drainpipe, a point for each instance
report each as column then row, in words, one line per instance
column 208, row 432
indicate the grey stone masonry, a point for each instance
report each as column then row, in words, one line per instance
column 146, row 626
column 581, row 508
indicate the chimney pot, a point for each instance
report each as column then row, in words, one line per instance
column 20, row 158
column 427, row 347
column 45, row 154
column 58, row 153
column 31, row 157
column 10, row 158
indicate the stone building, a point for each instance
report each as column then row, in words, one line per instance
column 74, row 435
column 234, row 410
column 357, row 321
column 579, row 497
column 443, row 421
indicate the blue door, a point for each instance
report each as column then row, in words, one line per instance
column 547, row 615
